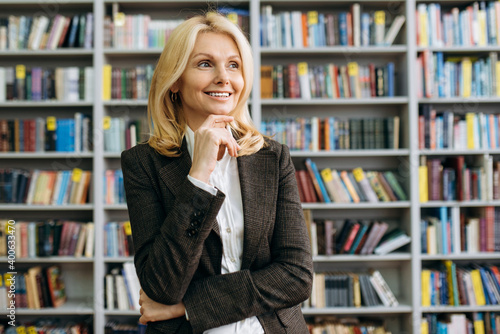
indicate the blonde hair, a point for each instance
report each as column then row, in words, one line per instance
column 165, row 117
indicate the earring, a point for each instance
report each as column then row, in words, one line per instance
column 174, row 97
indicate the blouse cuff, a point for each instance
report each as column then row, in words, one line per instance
column 202, row 185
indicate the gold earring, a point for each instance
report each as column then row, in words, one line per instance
column 174, row 97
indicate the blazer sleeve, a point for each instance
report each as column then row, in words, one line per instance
column 285, row 282
column 168, row 245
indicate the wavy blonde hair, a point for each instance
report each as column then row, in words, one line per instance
column 167, row 123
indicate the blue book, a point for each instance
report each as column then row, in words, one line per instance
column 365, row 29
column 487, row 287
column 390, row 79
column 321, row 30
column 343, row 28
column 440, row 73
column 311, row 165
column 331, row 121
column 359, row 236
column 443, row 216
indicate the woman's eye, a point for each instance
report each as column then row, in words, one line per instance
column 204, row 64
column 234, row 65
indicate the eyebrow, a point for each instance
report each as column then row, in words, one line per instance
column 201, row 54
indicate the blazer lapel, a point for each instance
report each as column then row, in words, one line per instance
column 258, row 186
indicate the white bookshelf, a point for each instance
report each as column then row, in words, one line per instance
column 400, row 269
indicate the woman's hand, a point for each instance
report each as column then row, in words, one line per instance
column 210, row 141
column 153, row 311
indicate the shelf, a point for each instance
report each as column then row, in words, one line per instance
column 115, row 206
column 462, row 204
column 118, row 259
column 23, row 104
column 132, row 52
column 459, row 49
column 46, row 155
column 350, row 153
column 468, row 100
column 355, row 206
column 112, row 103
column 37, row 2
column 363, row 258
column 462, row 256
column 357, row 310
column 361, row 51
column 50, row 259
column 114, row 155
column 340, row 101
column 467, row 308
column 71, row 307
column 32, row 207
column 342, row 2
column 123, row 313
column 458, row 152
column 48, row 53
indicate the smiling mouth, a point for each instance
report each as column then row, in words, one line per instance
column 218, row 94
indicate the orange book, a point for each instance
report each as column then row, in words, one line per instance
column 326, row 132
column 304, row 30
column 354, row 195
column 349, row 29
column 266, row 81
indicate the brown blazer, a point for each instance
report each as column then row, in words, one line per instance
column 179, row 251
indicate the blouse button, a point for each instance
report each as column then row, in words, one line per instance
column 228, row 230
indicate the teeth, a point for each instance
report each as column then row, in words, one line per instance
column 219, row 94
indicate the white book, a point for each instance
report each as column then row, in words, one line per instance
column 32, row 232
column 89, row 244
column 121, row 293
column 303, row 73
column 394, row 244
column 80, row 243
column 380, row 291
column 110, row 292
column 356, row 24
column 78, row 131
column 455, row 231
column 42, row 27
column 71, row 78
column 3, row 85
column 387, row 290
column 57, row 188
column 133, row 137
column 89, row 27
column 31, row 191
column 297, row 29
column 287, row 29
column 393, row 31
column 133, row 283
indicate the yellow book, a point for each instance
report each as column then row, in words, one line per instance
column 477, row 286
column 422, row 24
column 449, row 280
column 423, row 186
column 426, row 296
column 479, row 327
column 424, row 326
column 469, row 121
column 481, row 15
column 106, row 82
column 466, row 76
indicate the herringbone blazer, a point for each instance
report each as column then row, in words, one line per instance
column 178, row 250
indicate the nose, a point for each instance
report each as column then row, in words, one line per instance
column 222, row 76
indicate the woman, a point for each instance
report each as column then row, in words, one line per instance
column 219, row 236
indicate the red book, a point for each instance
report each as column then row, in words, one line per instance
column 373, row 89
column 307, row 186
column 458, row 164
column 299, row 187
column 350, row 239
column 490, row 228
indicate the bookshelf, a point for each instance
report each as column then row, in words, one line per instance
column 85, row 277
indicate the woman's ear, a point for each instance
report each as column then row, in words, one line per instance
column 175, row 87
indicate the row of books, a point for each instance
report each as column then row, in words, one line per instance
column 121, row 133
column 50, row 238
column 46, row 325
column 333, row 133
column 127, row 83
column 446, row 232
column 114, row 191
column 448, row 130
column 36, row 288
column 45, row 187
column 350, row 236
column 348, row 325
column 330, row 185
column 315, row 29
column 327, row 81
column 335, row 289
column 113, row 327
column 122, row 288
column 453, row 285
column 118, row 239
column 70, row 84
column 43, row 32
column 452, row 76
column 452, row 179
column 50, row 134
column 460, row 323
column 477, row 24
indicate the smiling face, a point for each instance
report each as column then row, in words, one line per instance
column 213, row 79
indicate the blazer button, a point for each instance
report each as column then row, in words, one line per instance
column 192, row 232
column 198, row 214
column 195, row 223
